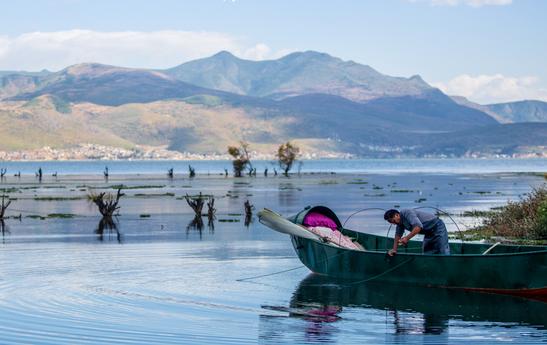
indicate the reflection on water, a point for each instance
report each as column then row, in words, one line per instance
column 197, row 225
column 288, row 194
column 111, row 226
column 322, row 302
column 4, row 229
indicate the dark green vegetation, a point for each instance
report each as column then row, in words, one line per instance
column 364, row 109
column 118, row 186
column 525, row 220
column 59, row 198
column 153, row 195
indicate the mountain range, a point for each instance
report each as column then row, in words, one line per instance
column 321, row 102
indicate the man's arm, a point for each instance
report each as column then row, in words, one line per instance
column 415, row 231
column 396, row 241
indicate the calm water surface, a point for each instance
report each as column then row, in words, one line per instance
column 157, row 278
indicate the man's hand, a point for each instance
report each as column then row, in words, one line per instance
column 392, row 252
column 403, row 241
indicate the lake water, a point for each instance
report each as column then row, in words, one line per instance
column 325, row 165
column 158, row 278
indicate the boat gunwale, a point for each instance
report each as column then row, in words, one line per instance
column 384, row 252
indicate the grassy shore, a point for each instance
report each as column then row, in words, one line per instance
column 523, row 221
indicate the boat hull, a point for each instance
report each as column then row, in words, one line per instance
column 520, row 273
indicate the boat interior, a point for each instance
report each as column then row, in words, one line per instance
column 382, row 243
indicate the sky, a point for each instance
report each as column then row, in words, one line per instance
column 489, row 51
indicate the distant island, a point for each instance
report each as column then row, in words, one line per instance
column 329, row 107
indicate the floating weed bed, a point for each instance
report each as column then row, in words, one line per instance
column 420, row 200
column 35, row 216
column 326, row 182
column 375, row 195
column 357, row 182
column 234, row 214
column 118, row 186
column 153, row 195
column 58, row 198
column 61, row 215
column 481, row 192
column 229, row 220
column 402, row 191
column 377, row 187
column 144, row 215
column 478, row 213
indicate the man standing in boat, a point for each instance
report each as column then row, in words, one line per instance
column 419, row 222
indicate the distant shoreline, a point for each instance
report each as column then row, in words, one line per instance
column 94, row 152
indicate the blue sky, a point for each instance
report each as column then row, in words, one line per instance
column 486, row 50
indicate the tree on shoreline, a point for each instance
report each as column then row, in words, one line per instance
column 241, row 156
column 286, row 155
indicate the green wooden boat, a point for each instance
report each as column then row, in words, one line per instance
column 509, row 269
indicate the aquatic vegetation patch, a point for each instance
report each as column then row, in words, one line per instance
column 153, row 195
column 402, row 191
column 478, row 213
column 420, row 200
column 229, row 220
column 480, row 192
column 59, row 198
column 35, row 216
column 144, row 215
column 118, row 186
column 357, row 182
column 375, row 195
column 327, row 182
column 61, row 215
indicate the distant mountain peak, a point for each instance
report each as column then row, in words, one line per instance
column 224, row 54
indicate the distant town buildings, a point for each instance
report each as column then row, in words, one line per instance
column 100, row 152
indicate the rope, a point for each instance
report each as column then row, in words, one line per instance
column 288, row 270
column 270, row 274
column 364, row 209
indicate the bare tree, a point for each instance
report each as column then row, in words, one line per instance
column 241, row 156
column 192, row 171
column 107, row 202
column 286, row 155
column 248, row 212
column 211, row 210
column 4, row 206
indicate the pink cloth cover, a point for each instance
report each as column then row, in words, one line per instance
column 335, row 237
column 317, row 219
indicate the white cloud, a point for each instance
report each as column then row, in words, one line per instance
column 159, row 49
column 472, row 3
column 486, row 89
